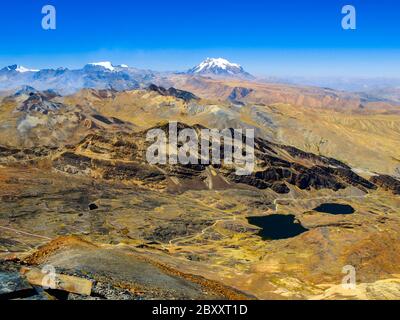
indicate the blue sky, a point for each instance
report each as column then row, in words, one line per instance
column 267, row 37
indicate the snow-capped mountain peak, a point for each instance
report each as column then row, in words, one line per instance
column 216, row 62
column 220, row 67
column 20, row 69
column 105, row 64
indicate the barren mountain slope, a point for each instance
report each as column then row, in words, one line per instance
column 199, row 226
column 333, row 123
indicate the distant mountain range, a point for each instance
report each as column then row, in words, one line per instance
column 99, row 75
column 104, row 75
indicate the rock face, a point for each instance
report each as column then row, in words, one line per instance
column 387, row 182
column 40, row 102
column 239, row 93
column 180, row 94
column 12, row 282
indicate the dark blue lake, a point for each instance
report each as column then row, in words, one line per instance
column 277, row 226
column 335, row 208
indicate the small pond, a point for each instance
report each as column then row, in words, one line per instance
column 335, row 208
column 277, row 226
